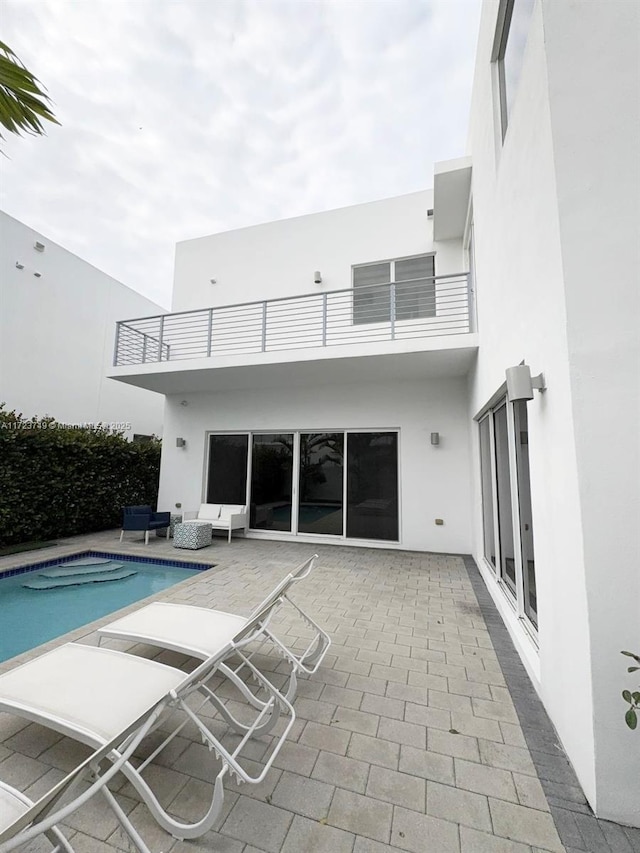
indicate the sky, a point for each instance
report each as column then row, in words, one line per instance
column 181, row 118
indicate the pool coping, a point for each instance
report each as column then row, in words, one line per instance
column 129, row 558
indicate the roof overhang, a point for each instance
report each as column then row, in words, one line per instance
column 451, row 195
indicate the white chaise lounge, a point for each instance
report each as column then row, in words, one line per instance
column 97, row 695
column 227, row 517
column 22, row 820
column 197, row 631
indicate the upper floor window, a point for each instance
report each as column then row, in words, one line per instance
column 414, row 290
column 514, row 18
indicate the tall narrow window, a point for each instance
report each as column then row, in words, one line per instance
column 271, row 481
column 321, row 483
column 524, row 504
column 505, row 519
column 227, row 480
column 511, row 40
column 487, row 492
column 372, row 485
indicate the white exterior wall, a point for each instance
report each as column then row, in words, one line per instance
column 279, row 258
column 57, row 336
column 555, row 212
column 434, row 481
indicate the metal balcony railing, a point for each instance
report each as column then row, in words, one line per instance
column 401, row 310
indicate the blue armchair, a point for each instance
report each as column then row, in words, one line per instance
column 143, row 518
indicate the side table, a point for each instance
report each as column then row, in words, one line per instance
column 176, row 518
column 193, row 535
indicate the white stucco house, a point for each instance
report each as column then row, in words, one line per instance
column 57, row 314
column 344, row 373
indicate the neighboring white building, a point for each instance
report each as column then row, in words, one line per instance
column 57, row 314
column 360, row 397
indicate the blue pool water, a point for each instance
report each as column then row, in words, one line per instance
column 29, row 617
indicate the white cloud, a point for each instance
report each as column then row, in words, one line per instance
column 181, row 118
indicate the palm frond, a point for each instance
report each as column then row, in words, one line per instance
column 23, row 103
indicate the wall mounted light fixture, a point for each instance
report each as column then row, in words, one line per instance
column 184, row 402
column 317, row 277
column 37, row 274
column 180, row 442
column 520, row 383
column 19, row 265
column 38, row 246
column 435, row 438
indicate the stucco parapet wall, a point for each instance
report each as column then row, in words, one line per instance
column 403, row 360
column 451, row 198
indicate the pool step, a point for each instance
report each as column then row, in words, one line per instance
column 77, row 580
column 89, row 561
column 64, row 570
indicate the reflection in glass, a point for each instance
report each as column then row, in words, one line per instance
column 271, row 481
column 321, row 483
column 227, row 480
column 487, row 492
column 524, row 502
column 372, row 485
column 505, row 521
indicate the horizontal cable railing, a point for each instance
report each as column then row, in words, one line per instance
column 402, row 310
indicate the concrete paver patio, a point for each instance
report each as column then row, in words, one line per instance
column 408, row 738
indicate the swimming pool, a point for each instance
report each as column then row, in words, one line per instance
column 29, row 617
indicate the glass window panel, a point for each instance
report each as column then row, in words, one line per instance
column 505, row 521
column 524, row 503
column 227, row 480
column 271, row 481
column 487, row 492
column 370, row 302
column 372, row 485
column 512, row 54
column 415, row 288
column 321, row 483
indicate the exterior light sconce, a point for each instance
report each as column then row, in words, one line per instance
column 19, row 265
column 213, row 281
column 39, row 247
column 184, row 402
column 37, row 274
column 317, row 277
column 520, row 383
column 435, row 439
column 180, row 442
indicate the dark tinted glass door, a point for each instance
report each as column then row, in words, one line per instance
column 505, row 519
column 227, row 480
column 320, row 507
column 372, row 485
column 271, row 481
column 487, row 492
column 524, row 505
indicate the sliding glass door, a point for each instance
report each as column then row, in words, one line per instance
column 506, row 503
column 337, row 483
column 271, row 481
column 372, row 485
column 227, row 480
column 321, row 483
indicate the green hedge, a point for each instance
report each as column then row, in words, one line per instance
column 57, row 480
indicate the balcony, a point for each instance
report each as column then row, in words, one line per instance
column 433, row 314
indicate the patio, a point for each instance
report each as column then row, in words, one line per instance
column 419, row 733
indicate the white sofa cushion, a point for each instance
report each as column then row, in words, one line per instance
column 209, row 512
column 231, row 509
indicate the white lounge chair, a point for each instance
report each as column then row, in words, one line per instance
column 199, row 631
column 22, row 820
column 97, row 695
column 227, row 517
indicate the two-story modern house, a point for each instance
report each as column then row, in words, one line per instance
column 345, row 373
